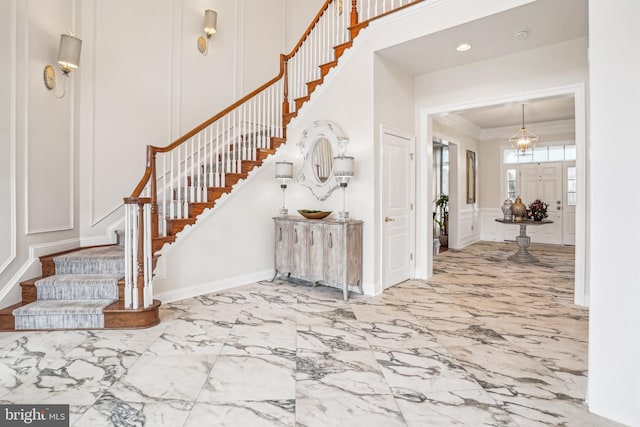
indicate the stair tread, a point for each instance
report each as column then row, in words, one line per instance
column 47, row 307
column 77, row 277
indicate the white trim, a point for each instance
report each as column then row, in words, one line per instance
column 213, row 286
column 581, row 287
column 71, row 94
column 13, row 177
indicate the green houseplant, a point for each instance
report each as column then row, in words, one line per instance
column 441, row 218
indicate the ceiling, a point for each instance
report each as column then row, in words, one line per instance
column 545, row 21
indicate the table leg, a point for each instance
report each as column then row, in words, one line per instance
column 523, row 242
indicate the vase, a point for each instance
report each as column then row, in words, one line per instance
column 519, row 210
column 506, row 210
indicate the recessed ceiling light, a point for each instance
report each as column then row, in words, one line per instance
column 463, row 47
column 521, row 34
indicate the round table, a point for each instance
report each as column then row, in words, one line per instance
column 523, row 240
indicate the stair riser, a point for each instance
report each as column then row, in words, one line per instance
column 94, row 267
column 77, row 292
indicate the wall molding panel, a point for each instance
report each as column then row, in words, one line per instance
column 49, row 125
column 9, row 169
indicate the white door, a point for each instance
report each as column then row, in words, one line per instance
column 544, row 181
column 569, row 207
column 397, row 207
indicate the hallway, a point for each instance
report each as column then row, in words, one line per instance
column 485, row 342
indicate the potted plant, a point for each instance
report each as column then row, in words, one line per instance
column 441, row 218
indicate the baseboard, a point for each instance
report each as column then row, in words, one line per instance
column 214, row 286
column 31, row 268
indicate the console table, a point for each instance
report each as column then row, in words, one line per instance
column 523, row 240
column 321, row 251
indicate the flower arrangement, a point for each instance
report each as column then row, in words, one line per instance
column 537, row 210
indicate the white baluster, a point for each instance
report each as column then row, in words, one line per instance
column 128, row 230
column 147, row 291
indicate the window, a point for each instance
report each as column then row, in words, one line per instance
column 511, row 184
column 549, row 153
column 571, row 186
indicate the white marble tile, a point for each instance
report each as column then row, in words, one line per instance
column 265, row 413
column 536, row 407
column 424, row 370
column 453, row 408
column 158, row 379
column 328, row 375
column 110, row 411
column 332, row 337
column 75, row 381
column 352, row 411
column 258, row 377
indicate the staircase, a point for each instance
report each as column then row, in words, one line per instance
column 79, row 289
column 184, row 179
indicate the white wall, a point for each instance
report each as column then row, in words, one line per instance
column 299, row 15
column 614, row 340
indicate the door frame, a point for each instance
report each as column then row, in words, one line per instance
column 411, row 138
column 424, row 153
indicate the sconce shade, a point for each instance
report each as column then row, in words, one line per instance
column 69, row 52
column 343, row 167
column 284, row 170
column 210, row 22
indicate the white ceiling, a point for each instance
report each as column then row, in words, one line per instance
column 546, row 22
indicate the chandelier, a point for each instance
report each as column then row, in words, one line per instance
column 522, row 140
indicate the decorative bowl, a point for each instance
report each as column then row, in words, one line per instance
column 313, row 214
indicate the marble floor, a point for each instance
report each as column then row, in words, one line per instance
column 484, row 342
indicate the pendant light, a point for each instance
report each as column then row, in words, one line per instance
column 522, row 140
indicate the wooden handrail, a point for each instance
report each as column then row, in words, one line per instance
column 309, row 29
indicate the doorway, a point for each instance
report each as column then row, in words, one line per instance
column 425, row 158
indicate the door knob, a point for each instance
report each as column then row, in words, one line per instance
column 388, row 219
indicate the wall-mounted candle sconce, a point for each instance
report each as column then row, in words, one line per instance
column 68, row 59
column 210, row 28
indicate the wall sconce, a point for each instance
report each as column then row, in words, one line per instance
column 343, row 170
column 210, row 28
column 68, row 58
column 284, row 172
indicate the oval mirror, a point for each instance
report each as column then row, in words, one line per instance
column 322, row 159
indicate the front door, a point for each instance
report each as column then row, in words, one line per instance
column 544, row 181
column 397, row 207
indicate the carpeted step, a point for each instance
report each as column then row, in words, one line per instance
column 61, row 314
column 78, row 287
column 98, row 260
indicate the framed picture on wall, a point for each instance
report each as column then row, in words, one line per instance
column 471, row 177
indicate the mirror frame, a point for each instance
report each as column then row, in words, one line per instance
column 306, row 176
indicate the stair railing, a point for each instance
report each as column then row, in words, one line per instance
column 211, row 155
